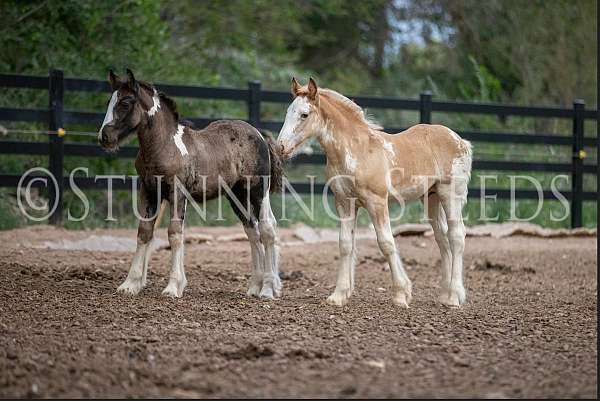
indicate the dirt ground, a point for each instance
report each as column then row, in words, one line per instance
column 528, row 328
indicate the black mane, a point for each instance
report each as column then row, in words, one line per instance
column 164, row 99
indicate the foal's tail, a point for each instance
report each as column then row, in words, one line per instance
column 276, row 162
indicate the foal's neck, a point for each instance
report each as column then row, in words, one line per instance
column 337, row 137
column 335, row 144
column 337, row 128
column 156, row 131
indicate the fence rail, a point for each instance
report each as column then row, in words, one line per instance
column 56, row 117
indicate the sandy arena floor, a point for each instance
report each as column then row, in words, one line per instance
column 528, row 329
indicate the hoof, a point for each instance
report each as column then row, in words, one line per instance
column 131, row 287
column 253, row 290
column 174, row 289
column 271, row 290
column 443, row 298
column 277, row 286
column 453, row 298
column 401, row 300
column 403, row 296
column 266, row 293
column 339, row 298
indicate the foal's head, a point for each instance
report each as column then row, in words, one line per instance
column 130, row 104
column 302, row 120
column 320, row 112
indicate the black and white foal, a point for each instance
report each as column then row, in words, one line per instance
column 176, row 163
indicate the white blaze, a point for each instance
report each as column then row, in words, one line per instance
column 178, row 138
column 108, row 118
column 287, row 135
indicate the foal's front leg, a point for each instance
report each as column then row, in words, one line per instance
column 345, row 278
column 136, row 278
column 177, row 280
column 402, row 287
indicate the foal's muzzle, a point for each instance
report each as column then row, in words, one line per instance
column 103, row 137
column 108, row 138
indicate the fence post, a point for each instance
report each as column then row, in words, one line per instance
column 254, row 104
column 577, row 165
column 425, row 108
column 56, row 155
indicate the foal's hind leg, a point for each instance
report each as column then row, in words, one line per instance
column 177, row 280
column 271, row 284
column 437, row 219
column 136, row 278
column 452, row 199
column 257, row 250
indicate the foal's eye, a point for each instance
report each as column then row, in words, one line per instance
column 303, row 115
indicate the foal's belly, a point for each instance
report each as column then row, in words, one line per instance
column 206, row 187
column 412, row 189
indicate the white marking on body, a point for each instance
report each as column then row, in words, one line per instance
column 389, row 147
column 109, row 117
column 388, row 182
column 455, row 135
column 156, row 104
column 178, row 138
column 327, row 135
column 461, row 174
column 350, row 162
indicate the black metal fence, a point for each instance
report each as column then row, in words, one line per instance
column 56, row 148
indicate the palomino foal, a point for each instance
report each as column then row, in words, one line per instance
column 176, row 162
column 367, row 166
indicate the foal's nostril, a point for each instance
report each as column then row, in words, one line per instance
column 104, row 137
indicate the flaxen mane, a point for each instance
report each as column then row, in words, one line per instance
column 351, row 106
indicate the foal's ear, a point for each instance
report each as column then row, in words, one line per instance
column 295, row 87
column 312, row 89
column 132, row 82
column 113, row 80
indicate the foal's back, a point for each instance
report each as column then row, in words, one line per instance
column 429, row 149
column 410, row 157
column 229, row 149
